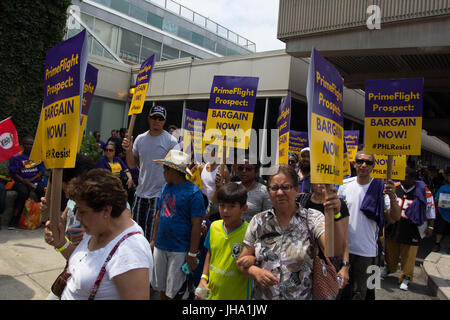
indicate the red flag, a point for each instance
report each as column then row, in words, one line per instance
column 9, row 141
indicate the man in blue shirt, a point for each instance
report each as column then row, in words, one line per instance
column 443, row 216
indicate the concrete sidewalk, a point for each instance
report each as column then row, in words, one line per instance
column 28, row 265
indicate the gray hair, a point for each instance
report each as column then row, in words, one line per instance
column 363, row 152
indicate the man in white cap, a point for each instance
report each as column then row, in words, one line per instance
column 148, row 146
column 176, row 236
column 304, row 172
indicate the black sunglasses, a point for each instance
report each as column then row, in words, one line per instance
column 361, row 161
column 284, row 188
column 157, row 118
column 109, row 150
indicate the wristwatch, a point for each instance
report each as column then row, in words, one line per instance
column 345, row 264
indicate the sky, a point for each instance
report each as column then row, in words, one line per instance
column 255, row 20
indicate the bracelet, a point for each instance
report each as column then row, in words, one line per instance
column 337, row 216
column 205, row 276
column 430, row 227
column 65, row 246
column 193, row 255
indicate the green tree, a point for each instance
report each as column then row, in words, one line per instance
column 27, row 30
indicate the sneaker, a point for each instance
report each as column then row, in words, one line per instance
column 436, row 248
column 385, row 272
column 404, row 285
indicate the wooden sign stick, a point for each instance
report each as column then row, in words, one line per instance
column 55, row 201
column 131, row 125
column 390, row 164
column 329, row 228
column 45, row 213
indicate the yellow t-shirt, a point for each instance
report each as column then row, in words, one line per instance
column 226, row 282
column 115, row 168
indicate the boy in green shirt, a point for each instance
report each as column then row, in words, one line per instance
column 224, row 242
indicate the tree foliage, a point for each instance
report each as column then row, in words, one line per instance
column 27, row 30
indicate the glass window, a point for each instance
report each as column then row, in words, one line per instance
column 130, row 45
column 154, row 20
column 97, row 48
column 200, row 20
column 221, row 49
column 138, row 13
column 209, row 44
column 221, row 31
column 197, row 39
column 170, row 53
column 106, row 32
column 121, row 6
column 173, row 6
column 88, row 20
column 149, row 47
column 185, row 54
column 185, row 33
column 105, row 115
column 104, row 2
column 170, row 27
column 211, row 26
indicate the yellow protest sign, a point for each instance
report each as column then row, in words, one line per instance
column 398, row 169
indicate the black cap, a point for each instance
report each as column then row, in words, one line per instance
column 158, row 110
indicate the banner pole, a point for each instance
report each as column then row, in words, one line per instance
column 329, row 228
column 45, row 213
column 390, row 163
column 131, row 125
column 55, row 201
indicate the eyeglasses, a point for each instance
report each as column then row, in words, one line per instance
column 292, row 161
column 109, row 150
column 157, row 118
column 284, row 188
column 246, row 167
column 361, row 161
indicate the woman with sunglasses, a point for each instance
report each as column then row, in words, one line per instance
column 114, row 164
column 278, row 241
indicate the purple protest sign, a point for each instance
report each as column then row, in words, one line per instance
column 325, row 120
column 90, row 83
column 231, row 106
column 57, row 135
column 284, row 124
column 142, row 84
column 393, row 116
column 194, row 126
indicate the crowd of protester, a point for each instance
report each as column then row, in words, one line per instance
column 239, row 235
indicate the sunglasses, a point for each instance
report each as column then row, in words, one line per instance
column 292, row 161
column 157, row 118
column 361, row 161
column 245, row 167
column 284, row 188
column 109, row 150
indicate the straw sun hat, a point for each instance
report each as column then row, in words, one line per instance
column 177, row 160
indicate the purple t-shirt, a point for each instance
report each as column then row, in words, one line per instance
column 25, row 168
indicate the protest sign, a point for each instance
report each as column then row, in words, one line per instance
column 346, row 163
column 230, row 112
column 381, row 167
column 194, row 127
column 140, row 91
column 9, row 140
column 56, row 138
column 142, row 84
column 325, row 121
column 284, row 125
column 297, row 141
column 90, row 83
column 351, row 138
column 326, row 131
column 393, row 116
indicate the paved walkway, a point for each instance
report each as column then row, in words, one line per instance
column 28, row 267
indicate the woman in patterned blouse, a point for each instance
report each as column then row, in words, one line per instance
column 277, row 249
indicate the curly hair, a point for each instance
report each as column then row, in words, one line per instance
column 99, row 188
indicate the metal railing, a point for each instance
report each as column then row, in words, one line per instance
column 305, row 17
column 205, row 22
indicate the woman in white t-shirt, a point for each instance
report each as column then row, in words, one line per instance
column 101, row 210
